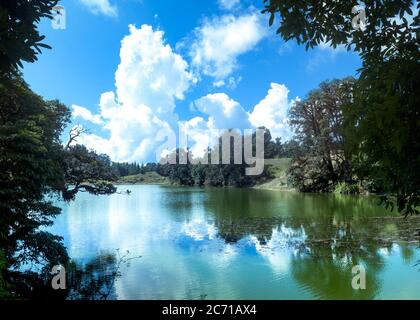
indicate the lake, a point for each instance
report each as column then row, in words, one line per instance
column 227, row 243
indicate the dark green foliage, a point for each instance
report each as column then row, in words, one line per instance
column 19, row 36
column 4, row 286
column 85, row 170
column 127, row 169
column 318, row 122
column 313, row 22
column 217, row 175
column 271, row 149
column 29, row 169
column 34, row 166
column 348, row 188
column 383, row 126
column 92, row 280
column 178, row 173
column 383, row 120
column 291, row 149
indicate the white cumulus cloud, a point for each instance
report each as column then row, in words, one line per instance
column 85, row 114
column 223, row 112
column 200, row 135
column 148, row 80
column 219, row 42
column 271, row 112
column 150, row 72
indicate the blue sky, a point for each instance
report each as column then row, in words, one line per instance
column 134, row 70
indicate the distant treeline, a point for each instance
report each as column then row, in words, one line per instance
column 272, row 149
column 213, row 174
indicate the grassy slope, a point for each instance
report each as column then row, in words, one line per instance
column 146, row 178
column 278, row 169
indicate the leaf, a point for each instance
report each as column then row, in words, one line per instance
column 43, row 45
column 270, row 22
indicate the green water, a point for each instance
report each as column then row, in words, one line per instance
column 225, row 243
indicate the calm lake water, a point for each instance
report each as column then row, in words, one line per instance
column 225, row 243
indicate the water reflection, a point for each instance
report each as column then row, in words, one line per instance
column 322, row 266
column 245, row 244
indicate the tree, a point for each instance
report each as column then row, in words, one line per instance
column 4, row 286
column 383, row 129
column 29, row 169
column 127, row 169
column 279, row 150
column 384, row 118
column 389, row 31
column 318, row 124
column 86, row 171
column 270, row 147
column 20, row 38
column 292, row 149
column 216, row 174
column 34, row 166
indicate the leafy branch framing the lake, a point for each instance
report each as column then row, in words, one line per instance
column 382, row 119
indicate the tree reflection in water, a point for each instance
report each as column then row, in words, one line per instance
column 322, row 261
column 95, row 280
